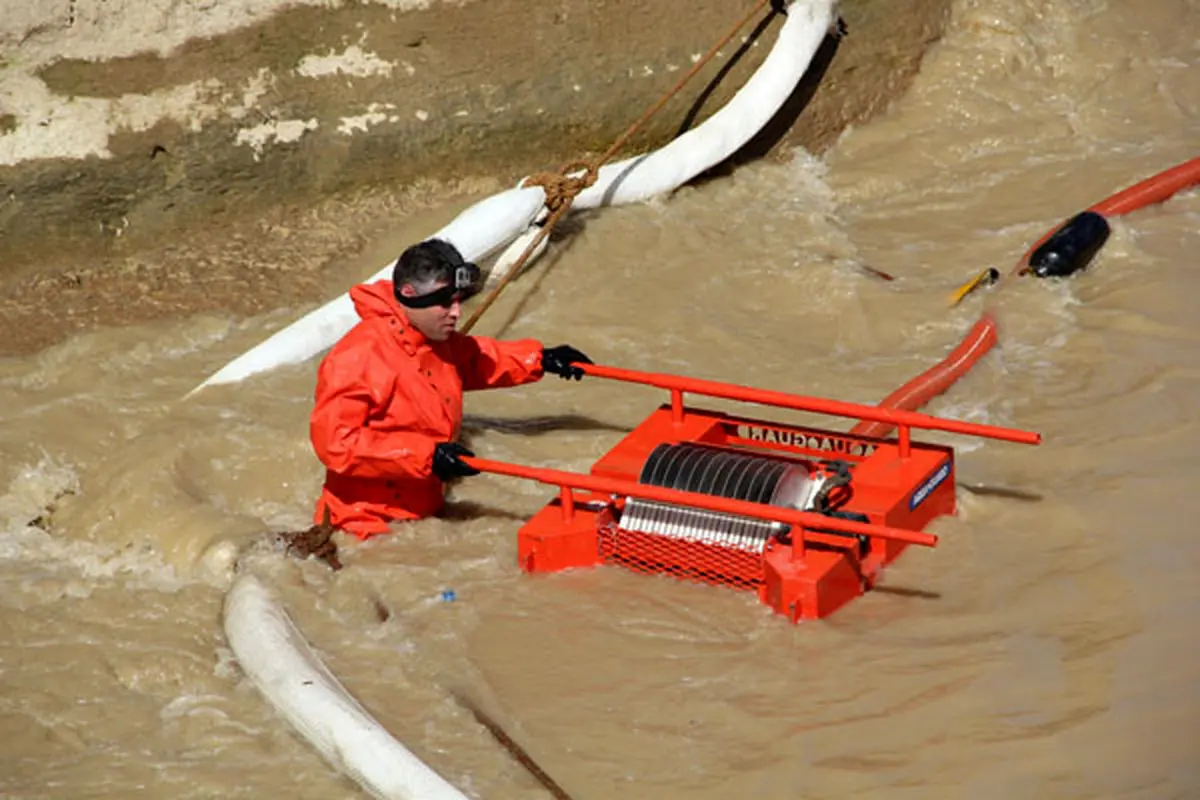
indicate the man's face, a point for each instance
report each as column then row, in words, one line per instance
column 437, row 321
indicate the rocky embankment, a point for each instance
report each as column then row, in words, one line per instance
column 161, row 158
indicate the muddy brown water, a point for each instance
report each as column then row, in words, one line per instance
column 1047, row 648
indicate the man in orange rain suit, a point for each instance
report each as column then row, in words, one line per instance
column 389, row 394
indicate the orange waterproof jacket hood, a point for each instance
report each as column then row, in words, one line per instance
column 385, row 397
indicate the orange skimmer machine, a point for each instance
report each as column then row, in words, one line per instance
column 806, row 518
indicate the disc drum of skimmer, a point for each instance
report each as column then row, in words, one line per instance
column 724, row 473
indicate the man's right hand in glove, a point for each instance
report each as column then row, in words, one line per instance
column 448, row 463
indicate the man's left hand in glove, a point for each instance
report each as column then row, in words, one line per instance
column 563, row 361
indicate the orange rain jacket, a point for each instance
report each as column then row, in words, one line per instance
column 385, row 397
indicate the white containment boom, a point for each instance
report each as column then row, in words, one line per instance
column 284, row 667
column 496, row 221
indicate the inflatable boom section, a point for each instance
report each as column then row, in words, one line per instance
column 500, row 219
column 281, row 663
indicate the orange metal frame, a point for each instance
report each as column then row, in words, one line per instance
column 899, row 485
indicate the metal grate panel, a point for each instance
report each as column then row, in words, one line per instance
column 703, row 562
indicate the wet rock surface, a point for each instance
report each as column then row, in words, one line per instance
column 294, row 140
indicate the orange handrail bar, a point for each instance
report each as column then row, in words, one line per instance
column 804, row 520
column 678, row 384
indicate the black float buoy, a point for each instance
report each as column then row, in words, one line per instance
column 1071, row 247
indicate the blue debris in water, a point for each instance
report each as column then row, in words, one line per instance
column 448, row 596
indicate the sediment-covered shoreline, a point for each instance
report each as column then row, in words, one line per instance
column 153, row 164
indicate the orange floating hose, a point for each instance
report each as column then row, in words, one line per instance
column 982, row 337
column 935, row 380
column 1154, row 189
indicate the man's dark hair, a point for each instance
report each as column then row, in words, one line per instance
column 430, row 261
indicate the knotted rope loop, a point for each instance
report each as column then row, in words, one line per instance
column 562, row 187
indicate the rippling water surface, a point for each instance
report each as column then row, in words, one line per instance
column 1047, row 647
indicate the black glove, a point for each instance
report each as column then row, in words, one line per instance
column 561, row 361
column 448, row 463
column 779, row 6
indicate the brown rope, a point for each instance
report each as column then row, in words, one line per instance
column 514, row 749
column 562, row 187
column 315, row 541
column 724, row 40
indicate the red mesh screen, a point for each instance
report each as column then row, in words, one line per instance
column 654, row 554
